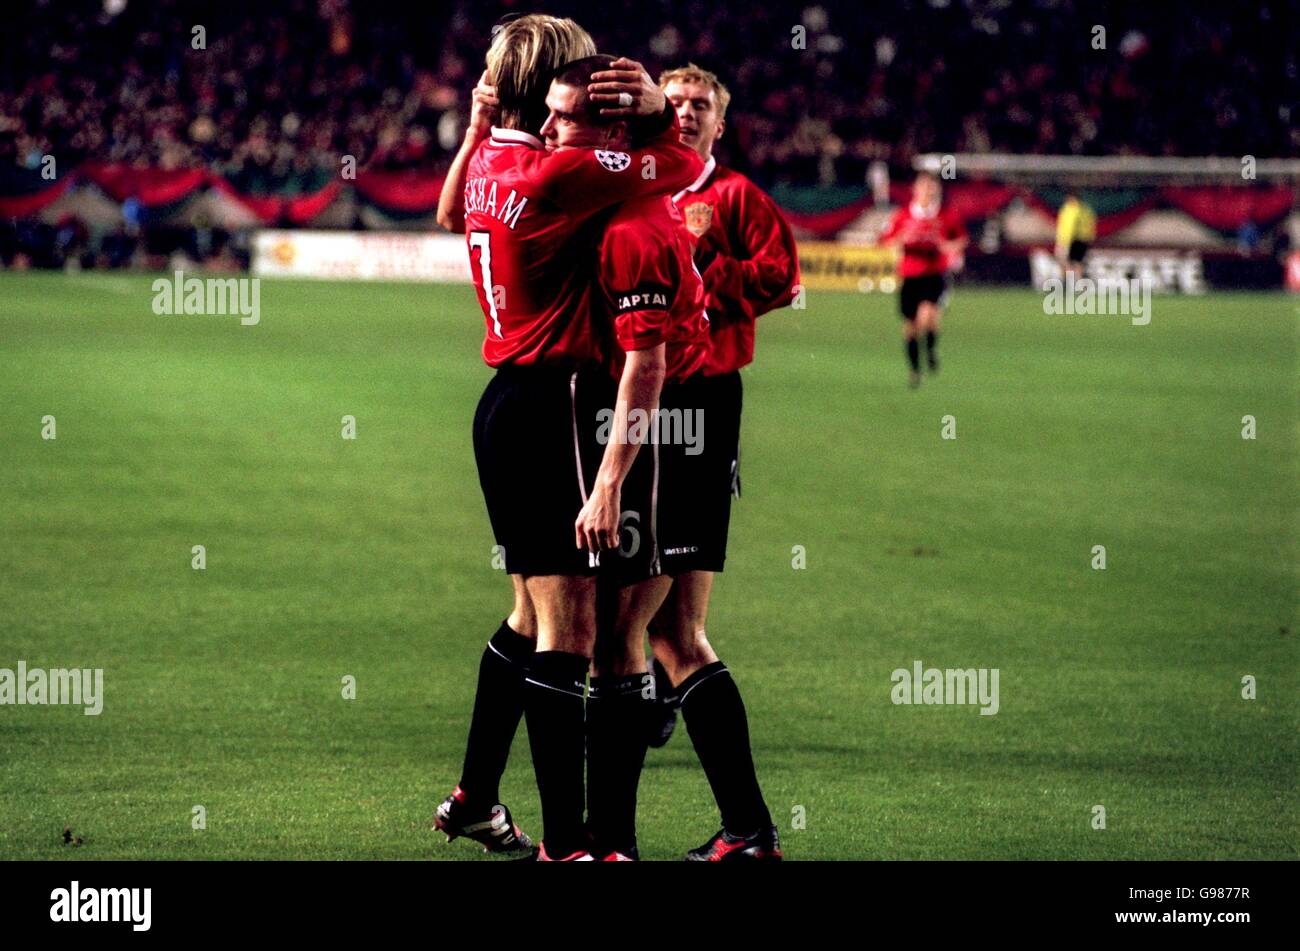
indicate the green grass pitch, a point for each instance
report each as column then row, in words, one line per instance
column 372, row 558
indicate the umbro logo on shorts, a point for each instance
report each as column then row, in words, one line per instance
column 681, row 551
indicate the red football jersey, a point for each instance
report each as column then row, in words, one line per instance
column 748, row 258
column 921, row 234
column 651, row 288
column 531, row 225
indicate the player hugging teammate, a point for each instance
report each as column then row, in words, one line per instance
column 555, row 343
column 932, row 240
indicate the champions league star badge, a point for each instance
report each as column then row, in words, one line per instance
column 699, row 217
column 614, row 161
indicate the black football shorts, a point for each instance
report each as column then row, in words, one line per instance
column 535, row 445
column 932, row 288
column 676, row 501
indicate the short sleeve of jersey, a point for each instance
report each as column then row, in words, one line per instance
column 640, row 285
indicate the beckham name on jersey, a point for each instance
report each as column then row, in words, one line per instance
column 481, row 198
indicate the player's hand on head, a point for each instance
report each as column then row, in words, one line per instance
column 483, row 108
column 626, row 78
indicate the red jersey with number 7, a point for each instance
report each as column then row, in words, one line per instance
column 532, row 221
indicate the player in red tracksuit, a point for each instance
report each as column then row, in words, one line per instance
column 746, row 254
column 531, row 219
column 932, row 239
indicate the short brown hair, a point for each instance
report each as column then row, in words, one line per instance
column 690, row 73
column 524, row 54
column 578, row 74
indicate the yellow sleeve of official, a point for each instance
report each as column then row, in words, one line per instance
column 1066, row 223
column 1087, row 227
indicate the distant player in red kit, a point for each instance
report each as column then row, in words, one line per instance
column 932, row 240
column 531, row 219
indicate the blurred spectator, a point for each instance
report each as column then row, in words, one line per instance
column 284, row 88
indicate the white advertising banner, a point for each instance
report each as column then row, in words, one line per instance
column 362, row 256
column 1164, row 271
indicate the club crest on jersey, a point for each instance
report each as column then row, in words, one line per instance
column 699, row 217
column 614, row 161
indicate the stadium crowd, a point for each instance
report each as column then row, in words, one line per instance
column 281, row 90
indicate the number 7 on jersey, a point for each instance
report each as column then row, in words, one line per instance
column 482, row 241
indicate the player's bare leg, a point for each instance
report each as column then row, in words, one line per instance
column 618, row 706
column 620, row 646
column 523, row 617
column 928, row 317
column 565, row 606
column 678, row 637
column 473, row 810
column 719, row 729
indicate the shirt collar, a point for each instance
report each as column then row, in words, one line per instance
column 515, row 137
column 696, row 185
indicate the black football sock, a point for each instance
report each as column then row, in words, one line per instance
column 914, row 354
column 617, row 716
column 664, row 691
column 553, row 707
column 498, row 705
column 931, row 347
column 715, row 719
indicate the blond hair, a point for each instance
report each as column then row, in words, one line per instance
column 690, row 73
column 523, row 55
